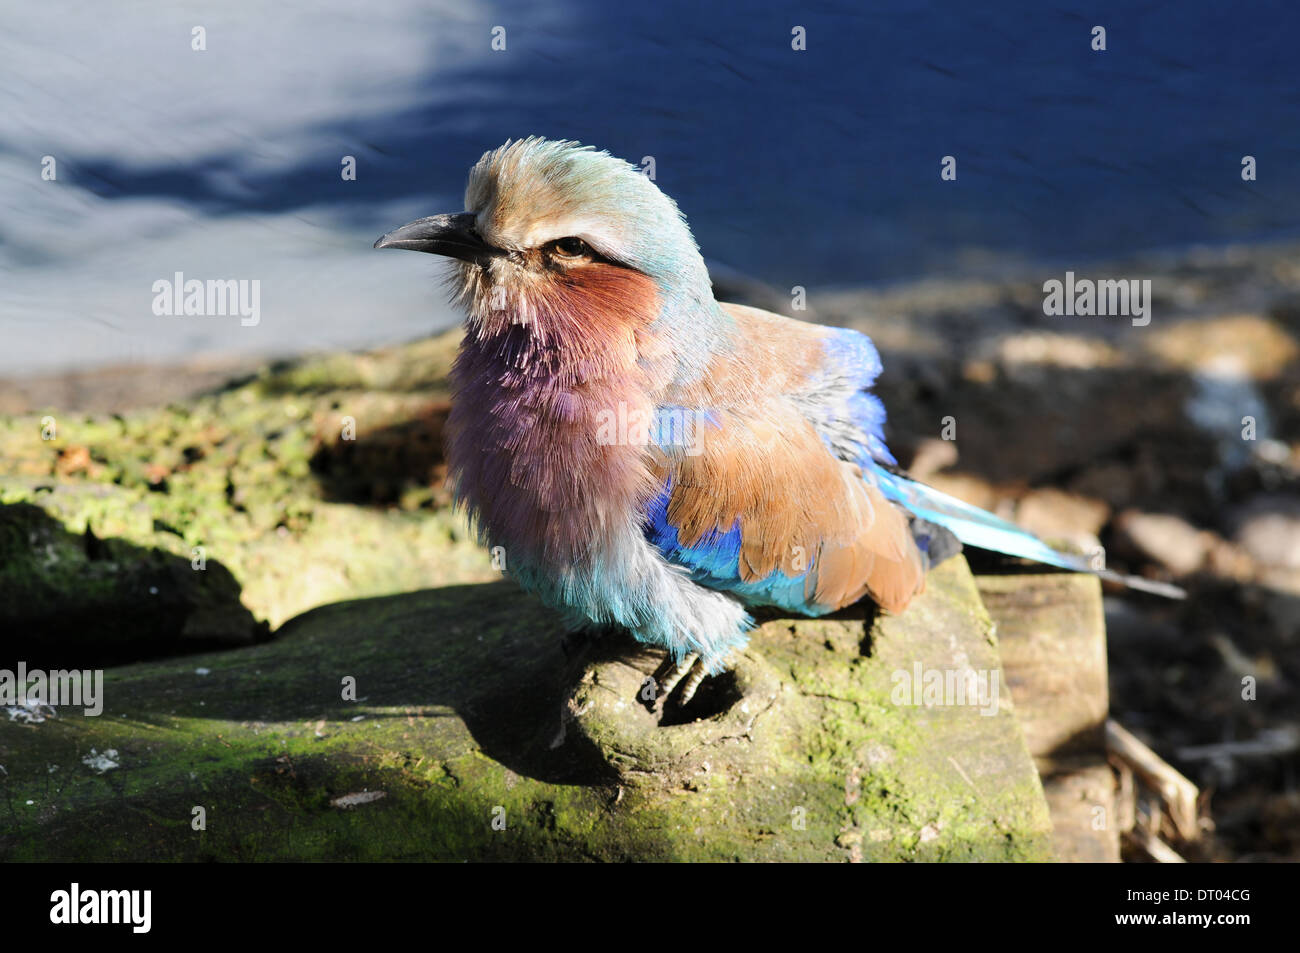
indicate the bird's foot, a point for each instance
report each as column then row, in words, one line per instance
column 689, row 673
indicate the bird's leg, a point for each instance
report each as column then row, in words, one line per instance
column 671, row 673
column 698, row 674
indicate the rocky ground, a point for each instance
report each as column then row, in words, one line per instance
column 319, row 481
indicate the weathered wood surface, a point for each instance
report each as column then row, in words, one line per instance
column 1051, row 632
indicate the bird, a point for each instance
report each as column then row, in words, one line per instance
column 652, row 459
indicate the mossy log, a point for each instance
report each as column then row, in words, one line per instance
column 479, row 732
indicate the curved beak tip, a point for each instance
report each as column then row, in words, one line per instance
column 453, row 236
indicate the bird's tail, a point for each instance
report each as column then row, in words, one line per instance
column 980, row 528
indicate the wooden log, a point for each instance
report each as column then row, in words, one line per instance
column 489, row 741
column 1052, row 638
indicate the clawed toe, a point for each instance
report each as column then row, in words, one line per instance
column 690, row 672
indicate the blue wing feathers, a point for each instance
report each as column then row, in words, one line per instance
column 850, row 420
column 855, row 416
column 714, row 562
column 853, row 356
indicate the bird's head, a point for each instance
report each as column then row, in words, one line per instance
column 558, row 235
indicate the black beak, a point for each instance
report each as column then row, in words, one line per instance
column 450, row 235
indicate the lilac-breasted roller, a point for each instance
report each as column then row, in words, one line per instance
column 648, row 456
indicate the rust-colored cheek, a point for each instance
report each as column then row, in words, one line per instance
column 599, row 316
column 602, row 296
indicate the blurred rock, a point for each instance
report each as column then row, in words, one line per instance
column 972, row 489
column 1056, row 514
column 1046, row 350
column 1268, row 528
column 1227, row 561
column 1247, row 344
column 1165, row 539
column 930, row 456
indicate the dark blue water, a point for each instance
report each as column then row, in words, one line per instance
column 823, row 166
column 816, row 167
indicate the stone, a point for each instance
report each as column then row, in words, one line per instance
column 1165, row 539
column 1268, row 528
column 1056, row 514
column 78, row 596
column 102, row 518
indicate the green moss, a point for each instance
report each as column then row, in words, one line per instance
column 257, row 481
column 467, row 704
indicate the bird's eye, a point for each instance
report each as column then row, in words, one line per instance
column 570, row 249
